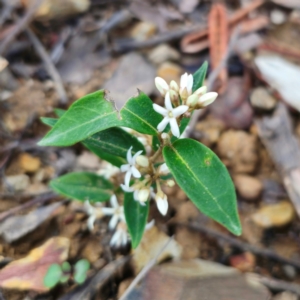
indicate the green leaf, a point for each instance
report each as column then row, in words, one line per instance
column 115, row 141
column 85, row 117
column 80, row 270
column 136, row 218
column 205, row 180
column 138, row 114
column 199, row 76
column 53, row 276
column 66, row 267
column 59, row 112
column 83, row 186
column 48, row 121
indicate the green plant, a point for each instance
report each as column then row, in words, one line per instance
column 152, row 153
column 62, row 273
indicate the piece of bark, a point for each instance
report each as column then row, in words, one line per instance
column 276, row 133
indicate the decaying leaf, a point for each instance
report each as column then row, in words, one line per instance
column 28, row 273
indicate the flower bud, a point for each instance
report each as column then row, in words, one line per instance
column 173, row 96
column 161, row 85
column 174, row 86
column 163, row 169
column 184, row 94
column 143, row 195
column 170, row 183
column 207, row 99
column 142, row 161
column 162, row 202
column 201, row 91
column 192, row 100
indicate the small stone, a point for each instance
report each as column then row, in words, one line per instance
column 244, row 262
column 285, row 296
column 290, row 271
column 238, row 151
column 210, row 131
column 163, row 53
column 37, row 188
column 143, row 31
column 88, row 160
column 93, row 250
column 278, row 16
column 29, row 163
column 274, row 215
column 262, row 99
column 169, row 71
column 18, row 182
column 250, row 188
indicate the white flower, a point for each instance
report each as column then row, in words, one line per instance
column 94, row 212
column 163, row 169
column 170, row 114
column 162, row 202
column 108, row 170
column 130, row 168
column 116, row 211
column 140, row 194
column 120, row 237
column 161, row 85
column 186, row 85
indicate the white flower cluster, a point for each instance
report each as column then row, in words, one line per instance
column 182, row 98
column 142, row 189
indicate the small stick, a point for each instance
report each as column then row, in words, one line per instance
column 275, row 284
column 241, row 245
column 38, row 200
column 49, row 66
column 145, row 270
column 19, row 27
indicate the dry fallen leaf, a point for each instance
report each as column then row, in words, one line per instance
column 28, row 273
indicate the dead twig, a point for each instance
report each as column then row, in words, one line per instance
column 145, row 270
column 6, row 11
column 239, row 244
column 275, row 284
column 125, row 46
column 38, row 200
column 49, row 66
column 19, row 27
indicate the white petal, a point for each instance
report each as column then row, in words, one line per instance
column 108, row 211
column 136, row 155
column 174, row 127
column 124, row 238
column 125, row 168
column 113, row 201
column 190, row 81
column 126, row 188
column 163, row 124
column 115, row 240
column 150, row 225
column 136, row 195
column 129, row 156
column 135, row 172
column 201, row 91
column 113, row 222
column 174, row 86
column 161, row 85
column 160, row 110
column 88, row 207
column 90, row 222
column 183, row 80
column 208, row 98
column 162, row 205
column 168, row 103
column 127, row 178
column 180, row 110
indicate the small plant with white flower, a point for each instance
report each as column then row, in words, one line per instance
column 145, row 141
